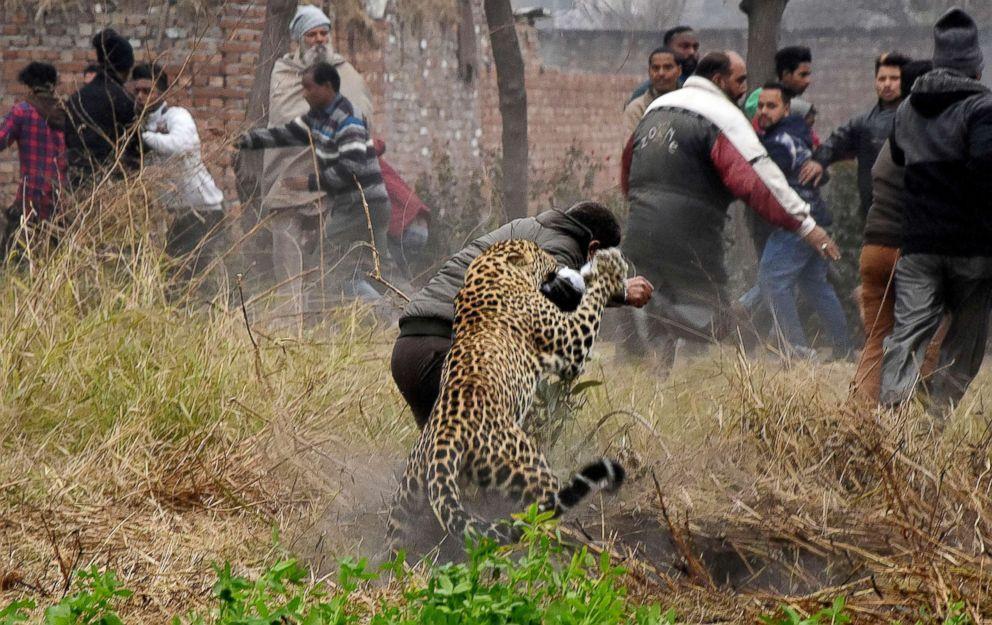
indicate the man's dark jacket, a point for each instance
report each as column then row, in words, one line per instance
column 790, row 145
column 99, row 118
column 860, row 138
column 432, row 309
column 943, row 136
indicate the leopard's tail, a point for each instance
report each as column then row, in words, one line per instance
column 604, row 474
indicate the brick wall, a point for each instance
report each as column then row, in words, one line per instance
column 577, row 82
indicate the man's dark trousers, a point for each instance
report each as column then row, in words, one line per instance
column 416, row 365
column 927, row 285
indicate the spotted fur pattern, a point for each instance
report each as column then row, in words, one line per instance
column 507, row 338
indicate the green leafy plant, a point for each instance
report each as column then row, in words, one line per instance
column 95, row 603
column 555, row 405
column 833, row 615
column 539, row 581
column 16, row 612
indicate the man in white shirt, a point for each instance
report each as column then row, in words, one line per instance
column 172, row 147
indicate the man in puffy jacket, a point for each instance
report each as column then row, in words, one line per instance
column 693, row 154
column 170, row 136
column 943, row 137
column 570, row 236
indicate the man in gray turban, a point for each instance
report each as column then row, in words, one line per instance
column 943, row 137
column 297, row 216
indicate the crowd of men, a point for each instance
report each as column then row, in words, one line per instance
column 120, row 123
column 922, row 154
column 696, row 140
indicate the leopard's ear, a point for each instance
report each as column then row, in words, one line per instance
column 517, row 259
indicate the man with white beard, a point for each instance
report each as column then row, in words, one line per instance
column 297, row 216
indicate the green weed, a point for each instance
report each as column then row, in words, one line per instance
column 94, row 603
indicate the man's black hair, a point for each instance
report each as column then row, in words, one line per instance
column 789, row 59
column 37, row 75
column 774, row 84
column 910, row 72
column 672, row 33
column 599, row 220
column 92, row 68
column 662, row 50
column 325, row 74
column 152, row 72
column 713, row 64
column 891, row 59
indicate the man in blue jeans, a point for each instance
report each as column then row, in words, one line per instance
column 788, row 263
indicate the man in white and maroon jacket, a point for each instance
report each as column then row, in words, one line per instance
column 694, row 152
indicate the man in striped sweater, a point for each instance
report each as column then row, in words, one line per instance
column 345, row 167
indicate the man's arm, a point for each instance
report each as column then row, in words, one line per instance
column 762, row 186
column 980, row 148
column 295, row 133
column 9, row 128
column 842, row 144
column 626, row 160
column 181, row 136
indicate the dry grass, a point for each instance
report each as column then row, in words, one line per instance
column 149, row 436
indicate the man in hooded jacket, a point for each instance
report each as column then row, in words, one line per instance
column 99, row 134
column 943, row 137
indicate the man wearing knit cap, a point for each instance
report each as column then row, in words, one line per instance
column 101, row 114
column 943, row 137
column 295, row 214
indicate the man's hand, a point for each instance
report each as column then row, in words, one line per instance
column 296, row 183
column 638, row 291
column 811, row 172
column 819, row 240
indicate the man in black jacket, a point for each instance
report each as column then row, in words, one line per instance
column 943, row 136
column 425, row 337
column 99, row 132
column 862, row 136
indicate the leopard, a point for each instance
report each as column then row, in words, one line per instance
column 508, row 336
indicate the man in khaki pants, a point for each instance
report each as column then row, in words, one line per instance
column 297, row 217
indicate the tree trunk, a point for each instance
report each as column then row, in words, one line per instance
column 512, row 105
column 764, row 22
column 248, row 163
